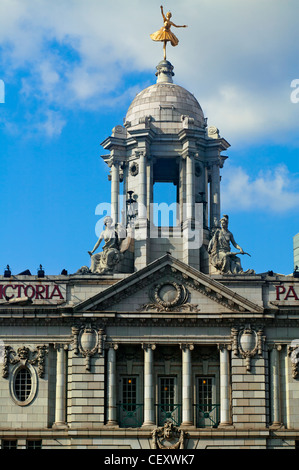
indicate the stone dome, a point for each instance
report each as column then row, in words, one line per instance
column 164, row 102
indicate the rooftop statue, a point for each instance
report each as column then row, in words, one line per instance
column 220, row 253
column 164, row 34
column 116, row 243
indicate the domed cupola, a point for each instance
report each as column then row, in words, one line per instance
column 165, row 140
column 165, row 103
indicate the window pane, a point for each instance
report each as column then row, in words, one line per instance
column 23, row 384
column 34, row 444
column 9, row 444
column 129, row 391
column 205, row 391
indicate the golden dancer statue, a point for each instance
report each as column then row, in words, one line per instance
column 164, row 34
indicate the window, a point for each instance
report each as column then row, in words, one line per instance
column 205, row 392
column 129, row 392
column 207, row 410
column 9, row 444
column 37, row 444
column 23, row 384
column 168, row 409
column 130, row 411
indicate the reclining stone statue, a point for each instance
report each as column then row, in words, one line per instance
column 221, row 256
column 105, row 261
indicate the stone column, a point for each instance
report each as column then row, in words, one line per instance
column 187, row 384
column 142, row 193
column 111, row 385
column 114, row 192
column 189, row 186
column 225, row 415
column 275, row 384
column 149, row 392
column 214, row 193
column 60, row 404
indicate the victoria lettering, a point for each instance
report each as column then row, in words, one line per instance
column 40, row 291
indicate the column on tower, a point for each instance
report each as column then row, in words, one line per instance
column 115, row 191
column 214, row 193
column 142, row 193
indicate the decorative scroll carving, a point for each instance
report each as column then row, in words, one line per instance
column 24, row 356
column 168, row 437
column 169, row 297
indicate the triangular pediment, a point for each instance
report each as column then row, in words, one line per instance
column 170, row 286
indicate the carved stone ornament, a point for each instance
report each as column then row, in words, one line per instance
column 293, row 352
column 248, row 343
column 24, row 356
column 168, row 437
column 169, row 297
column 88, row 341
column 134, row 169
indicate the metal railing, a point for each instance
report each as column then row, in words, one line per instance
column 130, row 415
column 169, row 412
column 207, row 415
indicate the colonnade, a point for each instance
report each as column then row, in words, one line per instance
column 189, row 199
column 187, row 391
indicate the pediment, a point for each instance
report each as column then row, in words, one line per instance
column 169, row 286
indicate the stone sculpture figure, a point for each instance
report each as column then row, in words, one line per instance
column 110, row 256
column 220, row 251
column 116, row 244
column 165, row 34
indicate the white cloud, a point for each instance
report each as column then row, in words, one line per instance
column 272, row 190
column 237, row 57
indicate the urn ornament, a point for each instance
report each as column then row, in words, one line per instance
column 88, row 343
column 250, row 344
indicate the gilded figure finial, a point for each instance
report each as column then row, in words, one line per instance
column 165, row 34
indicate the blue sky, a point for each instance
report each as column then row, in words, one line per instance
column 71, row 69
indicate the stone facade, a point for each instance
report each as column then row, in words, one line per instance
column 158, row 349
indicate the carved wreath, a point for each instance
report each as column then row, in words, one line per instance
column 134, row 169
column 168, row 304
column 179, row 303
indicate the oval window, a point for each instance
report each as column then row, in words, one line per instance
column 23, row 384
